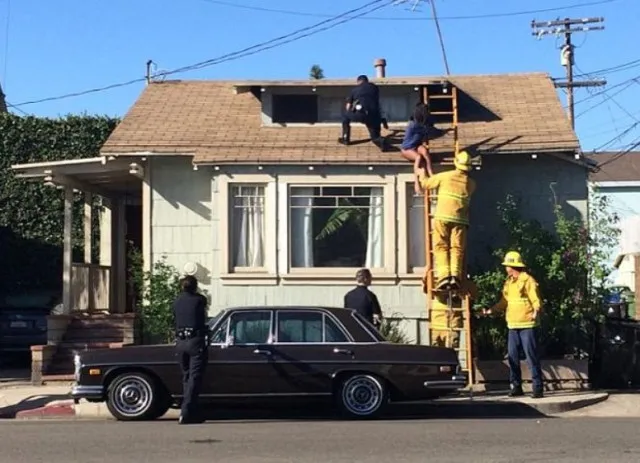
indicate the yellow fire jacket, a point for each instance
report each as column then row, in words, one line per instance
column 521, row 299
column 454, row 193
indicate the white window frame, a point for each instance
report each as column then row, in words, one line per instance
column 337, row 275
column 406, row 274
column 268, row 274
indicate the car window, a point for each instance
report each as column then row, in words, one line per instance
column 332, row 333
column 373, row 331
column 219, row 336
column 249, row 327
column 298, row 326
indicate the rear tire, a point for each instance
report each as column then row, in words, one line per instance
column 362, row 396
column 135, row 396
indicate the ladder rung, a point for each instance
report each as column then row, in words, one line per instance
column 441, row 97
column 442, row 113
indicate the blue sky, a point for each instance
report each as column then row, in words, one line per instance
column 66, row 46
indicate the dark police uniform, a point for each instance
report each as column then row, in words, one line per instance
column 367, row 95
column 363, row 301
column 191, row 330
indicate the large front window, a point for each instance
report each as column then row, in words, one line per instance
column 336, row 226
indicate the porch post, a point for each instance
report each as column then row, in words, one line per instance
column 118, row 256
column 66, row 249
column 147, row 203
column 105, row 232
column 88, row 248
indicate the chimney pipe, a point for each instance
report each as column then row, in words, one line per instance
column 380, row 64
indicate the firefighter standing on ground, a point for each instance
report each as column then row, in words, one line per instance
column 451, row 217
column 190, row 311
column 521, row 300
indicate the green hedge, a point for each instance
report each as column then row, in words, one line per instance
column 31, row 214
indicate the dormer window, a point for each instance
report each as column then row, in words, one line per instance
column 295, row 109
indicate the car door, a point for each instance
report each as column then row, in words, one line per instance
column 239, row 355
column 309, row 346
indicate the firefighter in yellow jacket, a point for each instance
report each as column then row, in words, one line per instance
column 451, row 218
column 521, row 300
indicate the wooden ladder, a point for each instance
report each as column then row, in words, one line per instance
column 449, row 315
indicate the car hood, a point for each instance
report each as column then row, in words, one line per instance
column 128, row 354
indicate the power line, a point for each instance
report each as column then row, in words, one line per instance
column 618, row 68
column 607, row 98
column 439, row 32
column 16, row 108
column 381, row 18
column 619, row 84
column 263, row 46
column 568, row 27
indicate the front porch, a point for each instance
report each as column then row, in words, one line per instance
column 97, row 303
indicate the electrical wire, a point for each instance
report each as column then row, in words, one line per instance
column 379, row 18
column 440, row 39
column 607, row 98
column 263, row 46
column 9, row 105
column 619, row 84
column 618, row 68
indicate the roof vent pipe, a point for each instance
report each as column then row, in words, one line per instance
column 381, row 67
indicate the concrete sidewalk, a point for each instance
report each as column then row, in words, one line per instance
column 53, row 401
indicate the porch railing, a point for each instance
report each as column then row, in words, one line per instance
column 90, row 285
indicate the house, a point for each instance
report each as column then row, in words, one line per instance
column 617, row 176
column 3, row 102
column 244, row 184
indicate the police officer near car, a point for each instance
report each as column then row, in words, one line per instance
column 363, row 300
column 190, row 311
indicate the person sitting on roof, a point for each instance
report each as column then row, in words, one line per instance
column 414, row 143
column 363, row 105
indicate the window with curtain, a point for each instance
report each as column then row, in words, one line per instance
column 248, row 228
column 416, row 257
column 336, row 226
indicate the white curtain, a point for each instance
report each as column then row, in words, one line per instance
column 249, row 226
column 375, row 234
column 302, row 227
column 416, row 230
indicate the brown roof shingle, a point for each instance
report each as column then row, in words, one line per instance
column 615, row 167
column 209, row 119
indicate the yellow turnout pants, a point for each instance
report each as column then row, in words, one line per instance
column 449, row 241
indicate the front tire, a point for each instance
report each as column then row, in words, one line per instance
column 136, row 396
column 362, row 396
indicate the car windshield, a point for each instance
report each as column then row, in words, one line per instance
column 213, row 320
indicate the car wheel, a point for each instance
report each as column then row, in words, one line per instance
column 362, row 396
column 135, row 397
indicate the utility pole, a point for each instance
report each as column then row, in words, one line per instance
column 567, row 27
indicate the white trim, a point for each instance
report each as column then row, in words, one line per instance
column 617, row 184
column 266, row 275
column 407, row 275
column 335, row 275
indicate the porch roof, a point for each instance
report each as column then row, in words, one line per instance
column 105, row 176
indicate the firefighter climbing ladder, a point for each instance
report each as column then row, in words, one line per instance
column 449, row 313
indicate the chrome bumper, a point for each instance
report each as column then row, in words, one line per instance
column 456, row 382
column 87, row 392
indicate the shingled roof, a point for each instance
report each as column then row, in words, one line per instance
column 615, row 166
column 216, row 123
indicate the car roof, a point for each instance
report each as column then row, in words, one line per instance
column 289, row 307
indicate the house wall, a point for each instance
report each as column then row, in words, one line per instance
column 186, row 222
column 625, row 203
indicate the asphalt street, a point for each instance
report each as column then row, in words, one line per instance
column 327, row 441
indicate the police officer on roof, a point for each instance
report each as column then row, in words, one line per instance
column 362, row 300
column 363, row 105
column 190, row 310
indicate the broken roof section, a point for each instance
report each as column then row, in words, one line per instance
column 221, row 122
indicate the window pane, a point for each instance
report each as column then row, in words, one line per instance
column 248, row 227
column 336, row 226
column 332, row 333
column 219, row 336
column 299, row 327
column 415, row 229
column 250, row 327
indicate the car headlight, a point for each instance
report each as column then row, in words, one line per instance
column 77, row 364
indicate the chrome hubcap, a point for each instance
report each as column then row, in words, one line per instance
column 362, row 395
column 133, row 396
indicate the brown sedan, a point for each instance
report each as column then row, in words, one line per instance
column 266, row 353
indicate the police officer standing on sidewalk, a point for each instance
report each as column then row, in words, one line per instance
column 362, row 300
column 190, row 310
